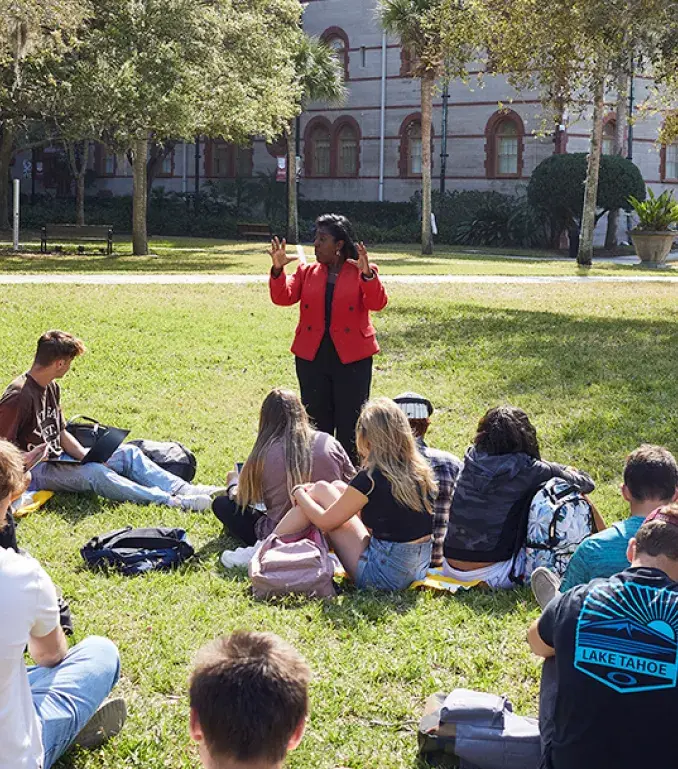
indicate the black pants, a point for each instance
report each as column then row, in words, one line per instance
column 239, row 522
column 334, row 392
column 547, row 707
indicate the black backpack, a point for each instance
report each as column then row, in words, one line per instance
column 172, row 456
column 135, row 551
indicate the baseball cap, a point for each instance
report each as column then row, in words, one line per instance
column 414, row 406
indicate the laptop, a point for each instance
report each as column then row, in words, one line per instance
column 101, row 451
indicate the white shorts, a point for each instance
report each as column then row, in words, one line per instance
column 495, row 576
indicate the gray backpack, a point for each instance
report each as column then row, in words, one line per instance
column 475, row 730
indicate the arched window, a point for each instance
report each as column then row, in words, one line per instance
column 608, row 137
column 347, row 148
column 167, row 167
column 225, row 160
column 337, row 39
column 319, row 146
column 504, row 147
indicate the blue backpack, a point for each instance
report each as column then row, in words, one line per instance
column 135, row 551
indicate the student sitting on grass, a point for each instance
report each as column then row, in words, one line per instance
column 500, row 475
column 249, row 701
column 610, row 661
column 46, row 708
column 445, row 466
column 287, row 451
column 30, row 415
column 650, row 481
column 380, row 524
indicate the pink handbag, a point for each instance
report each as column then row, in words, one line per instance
column 298, row 563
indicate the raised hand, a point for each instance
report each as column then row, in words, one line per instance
column 362, row 262
column 279, row 255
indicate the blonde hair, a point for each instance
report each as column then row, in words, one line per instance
column 385, row 443
column 282, row 418
column 12, row 474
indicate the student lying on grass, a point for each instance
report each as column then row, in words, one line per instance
column 380, row 524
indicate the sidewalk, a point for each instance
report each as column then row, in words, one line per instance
column 126, row 279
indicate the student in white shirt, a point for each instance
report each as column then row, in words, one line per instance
column 44, row 708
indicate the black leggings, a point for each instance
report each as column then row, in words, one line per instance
column 239, row 522
column 334, row 392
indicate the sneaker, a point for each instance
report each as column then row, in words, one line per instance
column 106, row 722
column 241, row 556
column 545, row 584
column 194, row 502
column 190, row 489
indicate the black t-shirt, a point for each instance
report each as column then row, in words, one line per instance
column 385, row 516
column 616, row 643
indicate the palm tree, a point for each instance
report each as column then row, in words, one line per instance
column 321, row 78
column 415, row 23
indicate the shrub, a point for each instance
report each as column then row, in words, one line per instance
column 557, row 187
column 384, row 215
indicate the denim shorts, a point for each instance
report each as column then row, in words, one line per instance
column 393, row 565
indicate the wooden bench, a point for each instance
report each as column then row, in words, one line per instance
column 254, row 230
column 71, row 233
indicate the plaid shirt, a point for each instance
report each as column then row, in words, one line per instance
column 446, row 468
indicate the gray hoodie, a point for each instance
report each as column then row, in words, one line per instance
column 490, row 498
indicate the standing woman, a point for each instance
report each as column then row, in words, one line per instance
column 335, row 339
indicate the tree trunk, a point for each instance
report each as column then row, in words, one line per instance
column 426, row 110
column 619, row 149
column 6, row 149
column 139, row 231
column 156, row 157
column 292, row 202
column 588, row 218
column 77, row 158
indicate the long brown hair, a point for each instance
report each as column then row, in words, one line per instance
column 282, row 418
column 385, row 442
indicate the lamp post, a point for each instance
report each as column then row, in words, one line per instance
column 443, row 141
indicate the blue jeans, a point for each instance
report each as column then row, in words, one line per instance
column 128, row 476
column 393, row 565
column 67, row 695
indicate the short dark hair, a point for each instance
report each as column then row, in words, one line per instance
column 339, row 228
column 507, row 430
column 651, row 472
column 12, row 475
column 57, row 345
column 660, row 537
column 249, row 692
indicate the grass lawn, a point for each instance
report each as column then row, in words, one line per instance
column 595, row 366
column 199, row 255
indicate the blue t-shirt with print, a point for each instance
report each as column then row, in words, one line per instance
column 602, row 554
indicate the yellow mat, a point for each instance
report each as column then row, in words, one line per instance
column 434, row 580
column 29, row 502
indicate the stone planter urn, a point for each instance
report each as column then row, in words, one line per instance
column 653, row 246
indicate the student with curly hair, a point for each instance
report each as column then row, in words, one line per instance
column 502, row 470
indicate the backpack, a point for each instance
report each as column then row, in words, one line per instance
column 560, row 518
column 298, row 563
column 135, row 551
column 172, row 456
column 475, row 730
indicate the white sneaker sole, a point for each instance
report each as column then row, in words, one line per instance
column 106, row 722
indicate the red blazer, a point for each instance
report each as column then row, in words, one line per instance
column 351, row 331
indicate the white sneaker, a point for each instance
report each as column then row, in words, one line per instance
column 193, row 502
column 211, row 491
column 241, row 556
column 545, row 584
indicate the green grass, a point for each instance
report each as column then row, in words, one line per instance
column 595, row 366
column 199, row 255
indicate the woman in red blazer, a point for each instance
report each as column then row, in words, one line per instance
column 335, row 339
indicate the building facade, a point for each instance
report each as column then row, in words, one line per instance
column 369, row 148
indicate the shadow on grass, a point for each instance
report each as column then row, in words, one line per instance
column 618, row 377
column 75, row 508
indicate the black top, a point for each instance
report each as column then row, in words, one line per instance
column 385, row 516
column 616, row 648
